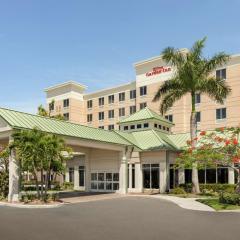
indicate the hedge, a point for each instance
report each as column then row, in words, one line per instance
column 229, row 198
column 217, row 187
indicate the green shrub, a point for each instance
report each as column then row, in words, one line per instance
column 217, row 187
column 207, row 192
column 229, row 198
column 27, row 197
column 68, row 186
column 178, row 190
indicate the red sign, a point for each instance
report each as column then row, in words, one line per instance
column 158, row 70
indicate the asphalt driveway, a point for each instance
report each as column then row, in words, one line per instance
column 118, row 218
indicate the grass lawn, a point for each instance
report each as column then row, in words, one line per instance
column 214, row 203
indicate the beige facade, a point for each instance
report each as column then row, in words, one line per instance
column 89, row 109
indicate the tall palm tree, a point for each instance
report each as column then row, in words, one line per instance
column 193, row 76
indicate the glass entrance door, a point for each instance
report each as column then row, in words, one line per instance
column 151, row 176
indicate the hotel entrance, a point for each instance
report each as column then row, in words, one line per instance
column 150, row 176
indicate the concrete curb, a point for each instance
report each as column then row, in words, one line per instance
column 21, row 205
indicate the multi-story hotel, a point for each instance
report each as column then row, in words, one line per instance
column 140, row 157
column 105, row 108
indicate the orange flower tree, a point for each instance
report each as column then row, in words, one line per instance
column 220, row 147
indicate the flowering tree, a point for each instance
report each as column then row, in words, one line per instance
column 219, row 147
column 4, row 175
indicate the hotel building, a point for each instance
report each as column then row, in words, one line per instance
column 140, row 150
column 105, row 108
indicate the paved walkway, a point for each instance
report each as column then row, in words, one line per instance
column 187, row 203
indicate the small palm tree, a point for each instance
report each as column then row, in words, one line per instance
column 193, row 76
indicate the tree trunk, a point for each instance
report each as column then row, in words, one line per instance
column 36, row 182
column 193, row 133
column 42, row 198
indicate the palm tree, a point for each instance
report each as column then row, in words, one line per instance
column 193, row 76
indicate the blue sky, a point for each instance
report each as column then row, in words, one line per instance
column 46, row 42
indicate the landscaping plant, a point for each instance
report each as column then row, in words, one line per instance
column 193, row 75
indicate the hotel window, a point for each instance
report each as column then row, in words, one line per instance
column 145, row 125
column 66, row 116
column 101, row 127
column 51, row 106
column 169, row 117
column 132, row 109
column 71, row 174
column 143, row 105
column 89, row 104
column 139, row 126
column 143, row 90
column 111, row 127
column 221, row 113
column 89, row 118
column 121, row 96
column 66, row 103
column 111, row 99
column 121, row 112
column 111, row 114
column 197, row 98
column 132, row 94
column 221, row 74
column 101, row 101
column 168, row 129
column 164, row 128
column 155, row 125
column 132, row 127
column 160, row 126
column 101, row 116
column 125, row 128
column 198, row 117
column 81, row 176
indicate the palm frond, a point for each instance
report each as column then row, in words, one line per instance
column 173, row 56
column 196, row 50
column 169, row 99
column 217, row 89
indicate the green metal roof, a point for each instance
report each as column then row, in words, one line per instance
column 20, row 120
column 144, row 114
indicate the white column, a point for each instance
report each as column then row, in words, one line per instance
column 130, row 176
column 67, row 175
column 76, row 177
column 13, row 195
column 123, row 188
column 87, row 172
column 231, row 175
column 181, row 176
column 138, row 177
column 163, row 177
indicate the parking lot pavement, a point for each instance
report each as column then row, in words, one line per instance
column 117, row 218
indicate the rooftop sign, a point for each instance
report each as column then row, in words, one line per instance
column 158, row 70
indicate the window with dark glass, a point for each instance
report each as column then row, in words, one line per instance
column 101, row 116
column 71, row 174
column 132, row 109
column 125, row 128
column 81, row 176
column 66, row 103
column 132, row 127
column 89, row 104
column 221, row 73
column 155, row 125
column 101, row 127
column 89, row 118
column 133, row 94
column 133, row 175
column 160, row 126
column 197, row 98
column 143, row 105
column 169, row 117
column 111, row 127
column 121, row 112
column 164, row 128
column 198, row 117
column 51, row 106
column 121, row 96
column 66, row 116
column 221, row 113
column 143, row 90
column 111, row 99
column 101, row 101
column 146, row 125
column 111, row 114
column 139, row 126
